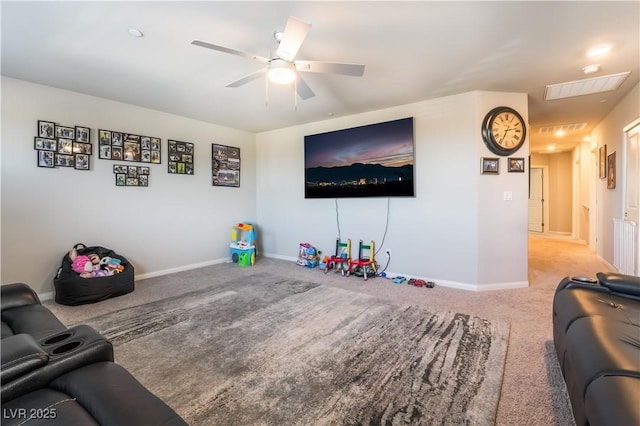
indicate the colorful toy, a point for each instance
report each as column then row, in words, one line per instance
column 243, row 244
column 340, row 261
column 365, row 264
column 308, row 255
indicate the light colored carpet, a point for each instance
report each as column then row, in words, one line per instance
column 269, row 350
column 533, row 392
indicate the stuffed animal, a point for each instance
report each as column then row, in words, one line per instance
column 90, row 265
column 82, row 264
column 111, row 264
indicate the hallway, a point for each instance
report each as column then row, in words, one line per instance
column 553, row 258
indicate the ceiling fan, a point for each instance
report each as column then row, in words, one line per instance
column 282, row 68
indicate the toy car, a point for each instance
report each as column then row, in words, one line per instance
column 399, row 280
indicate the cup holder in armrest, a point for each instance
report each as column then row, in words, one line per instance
column 57, row 338
column 78, row 341
column 67, row 347
column 585, row 280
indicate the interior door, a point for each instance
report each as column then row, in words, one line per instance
column 632, row 185
column 536, row 202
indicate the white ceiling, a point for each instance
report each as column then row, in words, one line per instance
column 412, row 51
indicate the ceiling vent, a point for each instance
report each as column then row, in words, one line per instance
column 606, row 83
column 551, row 130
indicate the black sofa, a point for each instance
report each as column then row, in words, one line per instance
column 596, row 332
column 54, row 375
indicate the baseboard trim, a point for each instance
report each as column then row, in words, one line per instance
column 46, row 296
column 281, row 257
column 449, row 284
column 180, row 269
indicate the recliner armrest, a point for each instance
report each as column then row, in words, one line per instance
column 16, row 295
column 21, row 354
column 620, row 283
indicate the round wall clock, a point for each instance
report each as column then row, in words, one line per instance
column 503, row 130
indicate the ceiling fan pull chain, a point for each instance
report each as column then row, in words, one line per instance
column 266, row 92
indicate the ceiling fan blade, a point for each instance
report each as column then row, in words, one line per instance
column 303, row 89
column 330, row 68
column 294, row 34
column 248, row 78
column 227, row 50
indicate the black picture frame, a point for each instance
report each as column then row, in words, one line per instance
column 515, row 165
column 65, row 132
column 62, row 146
column 490, row 166
column 121, row 146
column 46, row 129
column 46, row 159
column 45, row 144
column 83, row 134
column 225, row 165
column 180, row 157
column 82, row 148
column 127, row 175
column 82, row 162
column 65, row 160
column 65, row 146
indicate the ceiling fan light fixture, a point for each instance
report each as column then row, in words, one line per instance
column 281, row 71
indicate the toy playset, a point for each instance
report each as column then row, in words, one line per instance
column 339, row 261
column 243, row 244
column 365, row 264
column 308, row 255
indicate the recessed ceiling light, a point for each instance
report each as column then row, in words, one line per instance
column 560, row 133
column 551, row 147
column 599, row 50
column 135, row 33
column 590, row 69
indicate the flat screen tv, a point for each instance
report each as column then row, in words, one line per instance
column 375, row 160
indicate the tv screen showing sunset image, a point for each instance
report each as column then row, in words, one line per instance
column 375, row 160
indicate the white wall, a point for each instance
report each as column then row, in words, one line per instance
column 458, row 230
column 610, row 132
column 176, row 223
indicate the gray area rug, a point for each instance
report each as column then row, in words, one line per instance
column 277, row 351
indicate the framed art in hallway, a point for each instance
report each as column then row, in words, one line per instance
column 611, row 170
column 602, row 161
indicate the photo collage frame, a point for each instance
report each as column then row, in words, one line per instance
column 122, row 146
column 131, row 175
column 63, row 146
column 180, row 157
column 225, row 165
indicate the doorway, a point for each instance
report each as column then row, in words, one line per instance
column 536, row 199
column 631, row 190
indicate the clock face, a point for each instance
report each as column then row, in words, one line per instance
column 507, row 130
column 503, row 130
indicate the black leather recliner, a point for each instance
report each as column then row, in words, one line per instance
column 54, row 375
column 596, row 332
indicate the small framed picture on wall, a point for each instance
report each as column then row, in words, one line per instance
column 490, row 166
